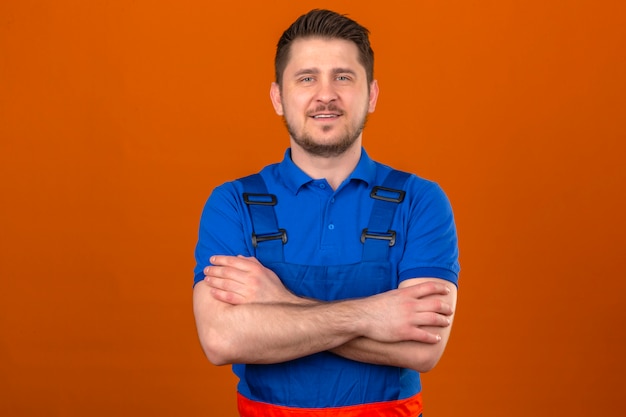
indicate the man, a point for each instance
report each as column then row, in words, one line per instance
column 328, row 280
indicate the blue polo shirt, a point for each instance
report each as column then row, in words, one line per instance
column 324, row 225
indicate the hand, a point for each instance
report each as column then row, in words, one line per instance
column 241, row 280
column 403, row 314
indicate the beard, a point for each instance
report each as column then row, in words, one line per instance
column 332, row 148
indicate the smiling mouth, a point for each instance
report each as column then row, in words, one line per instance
column 325, row 112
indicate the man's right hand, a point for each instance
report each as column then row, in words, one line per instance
column 242, row 280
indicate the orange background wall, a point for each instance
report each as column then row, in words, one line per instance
column 117, row 118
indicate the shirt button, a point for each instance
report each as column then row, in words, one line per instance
column 332, row 200
column 322, row 186
column 331, row 226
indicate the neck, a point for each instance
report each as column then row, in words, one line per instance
column 334, row 169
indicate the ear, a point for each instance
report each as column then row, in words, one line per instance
column 276, row 98
column 373, row 96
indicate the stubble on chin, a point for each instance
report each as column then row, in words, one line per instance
column 329, row 149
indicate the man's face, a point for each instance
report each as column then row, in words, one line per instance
column 324, row 97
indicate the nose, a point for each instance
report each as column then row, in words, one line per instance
column 326, row 92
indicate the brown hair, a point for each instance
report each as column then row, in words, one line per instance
column 325, row 24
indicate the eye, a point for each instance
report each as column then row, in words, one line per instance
column 343, row 78
column 306, row 79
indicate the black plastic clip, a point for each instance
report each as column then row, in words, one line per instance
column 390, row 236
column 259, row 199
column 281, row 234
column 377, row 196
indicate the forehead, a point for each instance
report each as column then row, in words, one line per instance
column 323, row 53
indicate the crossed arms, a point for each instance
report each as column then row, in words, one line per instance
column 244, row 314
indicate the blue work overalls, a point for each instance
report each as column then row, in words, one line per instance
column 324, row 384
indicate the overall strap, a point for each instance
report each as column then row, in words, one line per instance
column 378, row 237
column 267, row 238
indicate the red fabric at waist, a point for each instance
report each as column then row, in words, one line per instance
column 409, row 407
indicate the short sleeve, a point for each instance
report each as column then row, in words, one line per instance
column 432, row 245
column 222, row 228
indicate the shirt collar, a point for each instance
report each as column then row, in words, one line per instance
column 294, row 178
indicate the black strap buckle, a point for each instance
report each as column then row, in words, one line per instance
column 375, row 194
column 281, row 234
column 259, row 199
column 390, row 236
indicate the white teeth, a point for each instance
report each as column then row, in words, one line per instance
column 324, row 116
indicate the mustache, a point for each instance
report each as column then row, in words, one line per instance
column 326, row 108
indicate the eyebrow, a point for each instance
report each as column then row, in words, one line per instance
column 306, row 71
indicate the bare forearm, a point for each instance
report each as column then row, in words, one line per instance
column 421, row 357
column 234, row 330
column 270, row 332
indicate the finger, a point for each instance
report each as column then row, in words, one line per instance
column 227, row 296
column 224, row 284
column 431, row 319
column 427, row 288
column 424, row 336
column 435, row 306
column 224, row 273
column 209, row 270
column 240, row 262
column 216, row 271
column 229, row 290
column 222, row 260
